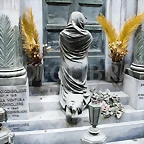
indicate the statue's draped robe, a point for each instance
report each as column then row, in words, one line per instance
column 74, row 44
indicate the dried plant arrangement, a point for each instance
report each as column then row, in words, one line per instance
column 110, row 103
column 118, row 41
column 30, row 38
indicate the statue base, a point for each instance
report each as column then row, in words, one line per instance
column 136, row 74
column 89, row 138
column 134, row 87
column 15, row 77
column 6, row 136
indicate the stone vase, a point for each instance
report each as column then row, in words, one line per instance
column 35, row 75
column 116, row 74
column 94, row 113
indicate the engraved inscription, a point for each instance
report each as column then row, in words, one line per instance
column 15, row 101
column 18, row 126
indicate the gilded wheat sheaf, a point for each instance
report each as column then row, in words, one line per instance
column 118, row 41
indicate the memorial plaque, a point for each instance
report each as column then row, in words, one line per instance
column 15, row 99
column 140, row 98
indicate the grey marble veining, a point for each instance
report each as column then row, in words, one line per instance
column 114, row 132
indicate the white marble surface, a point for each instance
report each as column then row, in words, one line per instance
column 114, row 132
column 118, row 11
column 57, row 120
column 52, row 88
column 135, row 89
column 11, row 8
column 135, row 141
column 51, row 102
column 88, row 138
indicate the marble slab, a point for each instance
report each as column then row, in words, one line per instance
column 114, row 132
column 57, row 120
column 135, row 89
column 51, row 103
column 134, row 141
column 52, row 88
column 15, row 99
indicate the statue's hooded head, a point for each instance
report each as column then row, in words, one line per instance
column 77, row 19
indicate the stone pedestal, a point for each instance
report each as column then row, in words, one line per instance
column 135, row 89
column 88, row 138
column 6, row 136
column 134, row 76
column 15, row 99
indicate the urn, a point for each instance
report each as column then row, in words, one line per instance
column 93, row 134
column 94, row 115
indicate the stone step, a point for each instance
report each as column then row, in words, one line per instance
column 48, row 103
column 52, row 88
column 134, row 141
column 57, row 120
column 114, row 132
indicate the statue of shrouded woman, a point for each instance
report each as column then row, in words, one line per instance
column 74, row 44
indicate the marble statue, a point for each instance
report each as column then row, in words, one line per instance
column 74, row 44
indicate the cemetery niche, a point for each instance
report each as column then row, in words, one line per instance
column 118, row 42
column 75, row 109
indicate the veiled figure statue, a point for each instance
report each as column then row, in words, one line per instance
column 74, row 44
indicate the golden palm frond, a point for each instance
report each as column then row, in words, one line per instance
column 118, row 42
column 109, row 29
column 30, row 38
column 25, row 40
column 128, row 29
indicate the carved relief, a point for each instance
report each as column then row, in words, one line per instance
column 139, row 47
column 10, row 57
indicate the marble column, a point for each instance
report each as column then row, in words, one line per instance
column 14, row 88
column 136, row 69
column 134, row 76
column 12, row 71
column 138, row 63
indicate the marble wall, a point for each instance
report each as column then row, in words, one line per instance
column 116, row 10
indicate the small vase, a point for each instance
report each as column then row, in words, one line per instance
column 94, row 115
column 117, row 72
column 35, row 75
